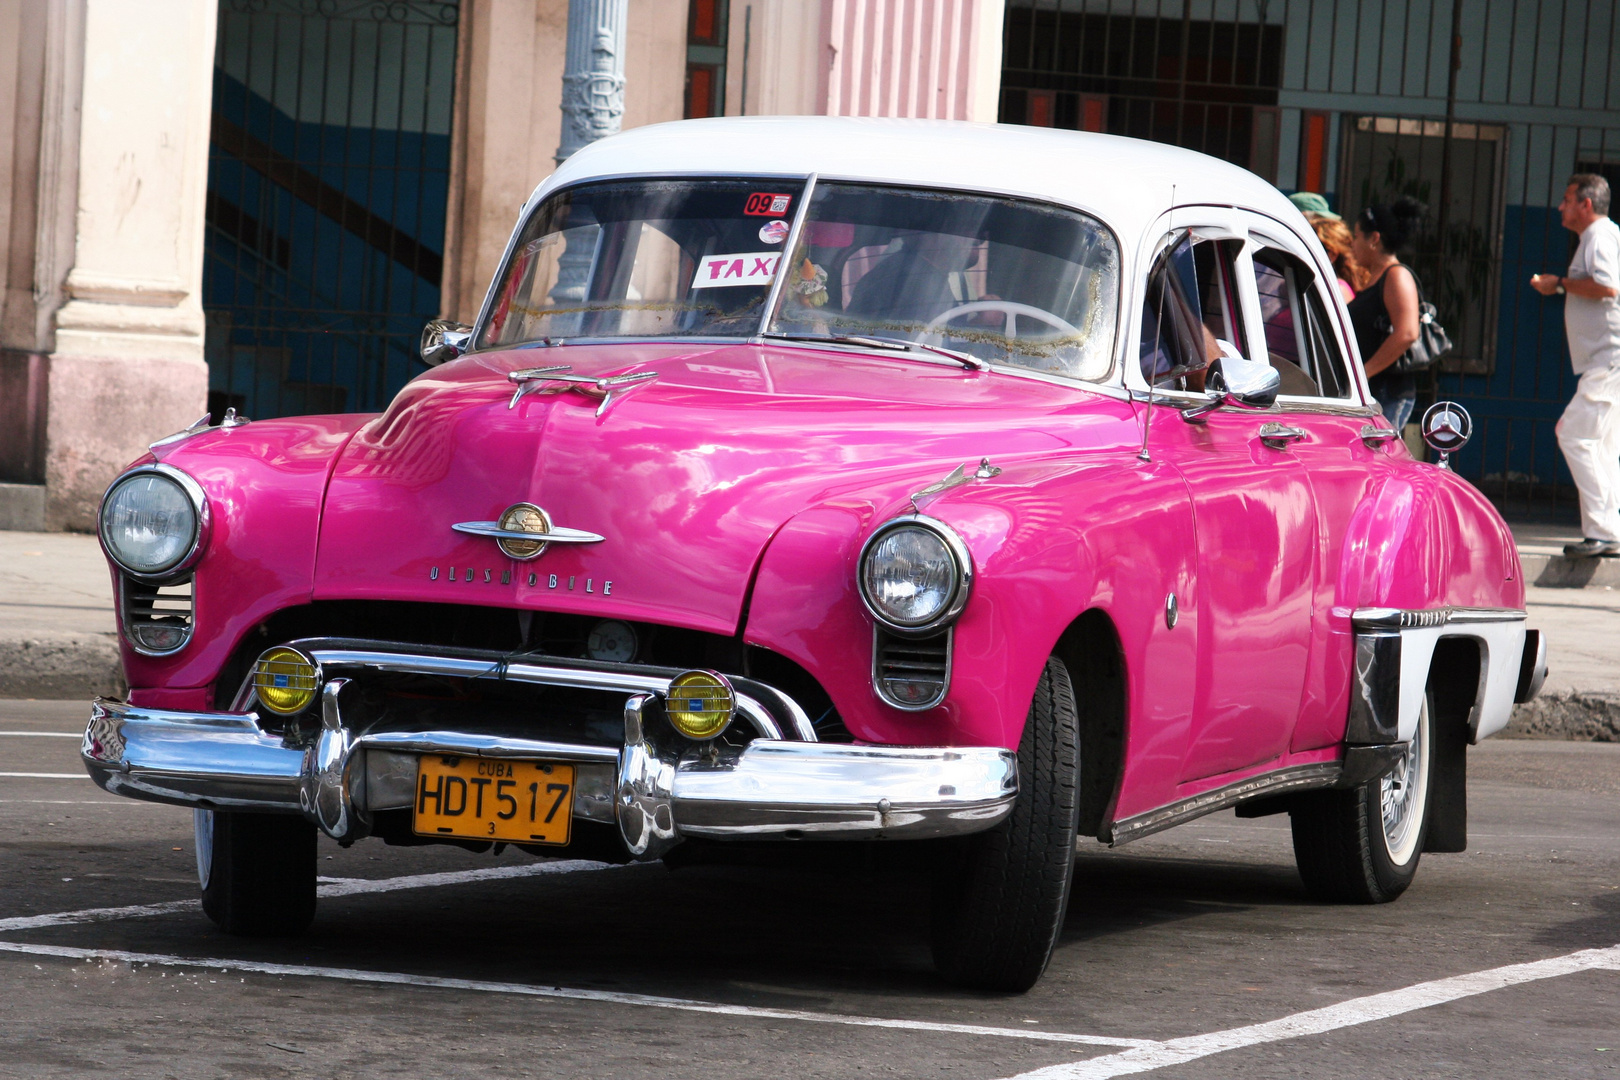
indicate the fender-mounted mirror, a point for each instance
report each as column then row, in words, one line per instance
column 444, row 340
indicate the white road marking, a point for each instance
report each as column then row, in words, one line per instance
column 46, row 734
column 48, row 775
column 121, row 803
column 334, row 887
column 561, row 993
column 1317, row 1021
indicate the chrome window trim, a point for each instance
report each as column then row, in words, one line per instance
column 945, row 687
column 201, row 530
column 964, row 574
column 1112, row 378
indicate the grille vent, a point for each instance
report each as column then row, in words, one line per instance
column 158, row 618
column 911, row 673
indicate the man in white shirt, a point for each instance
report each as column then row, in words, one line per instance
column 1589, row 430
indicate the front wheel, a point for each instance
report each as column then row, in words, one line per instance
column 1362, row 846
column 257, row 872
column 1001, row 895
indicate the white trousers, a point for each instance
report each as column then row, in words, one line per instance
column 1589, row 435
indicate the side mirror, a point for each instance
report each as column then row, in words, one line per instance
column 444, row 340
column 1446, row 427
column 1233, row 379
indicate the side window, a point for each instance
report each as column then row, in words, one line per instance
column 1190, row 303
column 1299, row 337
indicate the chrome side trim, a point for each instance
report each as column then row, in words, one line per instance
column 1296, row 778
column 1409, row 619
column 1394, row 650
column 791, row 790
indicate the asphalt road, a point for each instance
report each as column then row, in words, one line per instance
column 1192, row 954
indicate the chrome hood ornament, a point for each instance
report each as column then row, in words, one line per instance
column 955, row 478
column 559, row 378
column 525, row 531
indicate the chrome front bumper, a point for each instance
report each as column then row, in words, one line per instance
column 768, row 789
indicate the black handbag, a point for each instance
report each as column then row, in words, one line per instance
column 1432, row 341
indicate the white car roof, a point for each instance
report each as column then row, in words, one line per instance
column 1128, row 183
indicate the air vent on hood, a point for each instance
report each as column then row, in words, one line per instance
column 157, row 618
column 911, row 673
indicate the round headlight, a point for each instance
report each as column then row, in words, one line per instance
column 915, row 575
column 150, row 521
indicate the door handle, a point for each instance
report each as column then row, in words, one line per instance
column 1377, row 436
column 1278, row 436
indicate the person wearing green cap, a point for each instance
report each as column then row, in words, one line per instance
column 1309, row 202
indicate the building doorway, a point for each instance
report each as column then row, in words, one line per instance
column 328, row 174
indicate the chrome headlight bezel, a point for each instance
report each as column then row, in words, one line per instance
column 201, row 524
column 960, row 556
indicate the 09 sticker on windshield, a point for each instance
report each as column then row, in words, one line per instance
column 725, row 271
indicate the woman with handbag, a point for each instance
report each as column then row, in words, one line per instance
column 1386, row 314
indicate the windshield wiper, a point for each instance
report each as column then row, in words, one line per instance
column 966, row 360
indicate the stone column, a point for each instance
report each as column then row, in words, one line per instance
column 593, row 73
column 128, row 364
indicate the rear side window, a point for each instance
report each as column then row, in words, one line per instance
column 1299, row 335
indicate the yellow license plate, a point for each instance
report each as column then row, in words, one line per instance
column 525, row 802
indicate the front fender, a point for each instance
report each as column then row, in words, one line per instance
column 1049, row 541
column 266, row 483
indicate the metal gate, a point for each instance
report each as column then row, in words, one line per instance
column 328, row 174
column 1479, row 108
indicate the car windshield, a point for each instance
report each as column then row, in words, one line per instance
column 1005, row 280
column 645, row 258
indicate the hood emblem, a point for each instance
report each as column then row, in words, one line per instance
column 558, row 378
column 525, row 531
column 956, row 478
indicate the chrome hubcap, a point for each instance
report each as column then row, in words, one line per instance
column 1402, row 795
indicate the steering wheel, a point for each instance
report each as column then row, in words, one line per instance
column 1007, row 308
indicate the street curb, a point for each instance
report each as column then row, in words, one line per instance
column 1572, row 715
column 62, row 667
column 1559, row 572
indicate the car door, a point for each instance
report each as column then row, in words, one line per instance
column 1252, row 506
column 1348, row 452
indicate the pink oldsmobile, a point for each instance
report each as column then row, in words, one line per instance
column 969, row 487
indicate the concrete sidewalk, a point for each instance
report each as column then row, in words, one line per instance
column 57, row 630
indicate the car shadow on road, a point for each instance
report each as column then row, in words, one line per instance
column 1595, row 924
column 1116, row 893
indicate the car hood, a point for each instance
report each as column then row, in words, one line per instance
column 685, row 477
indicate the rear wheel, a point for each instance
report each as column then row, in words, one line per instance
column 1001, row 896
column 1362, row 846
column 257, row 872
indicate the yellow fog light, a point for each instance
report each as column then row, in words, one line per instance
column 285, row 680
column 700, row 704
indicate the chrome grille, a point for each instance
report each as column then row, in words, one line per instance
column 158, row 619
column 911, row 673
